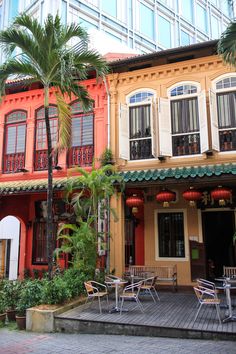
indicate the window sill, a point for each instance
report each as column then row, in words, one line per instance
column 173, row 259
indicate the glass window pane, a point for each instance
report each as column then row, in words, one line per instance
column 215, row 32
column 11, row 140
column 146, row 21
column 164, row 32
column 110, row 7
column 171, row 235
column 187, row 9
column 185, row 38
column 226, row 104
column 201, row 18
column 20, row 138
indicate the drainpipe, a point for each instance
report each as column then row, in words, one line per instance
column 108, row 199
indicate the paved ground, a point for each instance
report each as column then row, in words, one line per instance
column 20, row 342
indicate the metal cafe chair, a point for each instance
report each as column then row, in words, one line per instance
column 131, row 292
column 148, row 286
column 206, row 297
column 96, row 290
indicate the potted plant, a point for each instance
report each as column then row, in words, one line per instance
column 2, row 308
column 11, row 294
column 29, row 296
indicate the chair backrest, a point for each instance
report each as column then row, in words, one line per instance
column 89, row 288
column 206, row 284
column 229, row 272
column 134, row 288
column 150, row 281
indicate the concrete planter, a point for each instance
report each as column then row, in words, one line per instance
column 41, row 318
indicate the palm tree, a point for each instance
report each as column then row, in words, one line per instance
column 226, row 46
column 44, row 54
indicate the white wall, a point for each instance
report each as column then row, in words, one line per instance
column 10, row 229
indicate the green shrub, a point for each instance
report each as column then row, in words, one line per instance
column 75, row 281
column 11, row 289
column 55, row 291
column 30, row 295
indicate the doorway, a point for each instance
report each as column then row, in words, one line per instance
column 218, row 230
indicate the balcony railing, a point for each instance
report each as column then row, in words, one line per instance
column 186, row 144
column 41, row 160
column 227, row 140
column 141, row 149
column 81, row 156
column 14, row 162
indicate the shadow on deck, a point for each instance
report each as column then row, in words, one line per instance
column 172, row 316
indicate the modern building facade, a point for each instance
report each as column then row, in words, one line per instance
column 173, row 134
column 141, row 25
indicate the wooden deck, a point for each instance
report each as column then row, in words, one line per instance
column 172, row 316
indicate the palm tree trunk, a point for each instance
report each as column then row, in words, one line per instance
column 49, row 225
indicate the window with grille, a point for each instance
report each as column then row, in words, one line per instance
column 39, row 251
column 185, row 120
column 15, row 141
column 171, row 234
column 82, row 137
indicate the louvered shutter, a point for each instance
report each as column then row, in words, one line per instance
column 203, row 122
column 165, row 141
column 124, row 132
column 214, row 121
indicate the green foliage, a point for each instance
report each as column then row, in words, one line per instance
column 75, row 281
column 2, row 302
column 30, row 295
column 107, row 157
column 11, row 291
column 36, row 273
column 81, row 244
column 227, row 44
column 55, row 291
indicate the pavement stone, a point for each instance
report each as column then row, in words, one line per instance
column 21, row 342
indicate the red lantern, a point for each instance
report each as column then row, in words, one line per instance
column 134, row 202
column 166, row 196
column 221, row 194
column 192, row 195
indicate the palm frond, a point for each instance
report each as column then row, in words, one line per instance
column 227, row 45
column 64, row 120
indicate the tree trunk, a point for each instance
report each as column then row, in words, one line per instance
column 49, row 228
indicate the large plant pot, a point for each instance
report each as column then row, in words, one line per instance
column 11, row 315
column 2, row 317
column 21, row 322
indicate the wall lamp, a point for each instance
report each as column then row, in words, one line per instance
column 209, row 153
column 161, row 158
column 58, row 168
column 22, row 170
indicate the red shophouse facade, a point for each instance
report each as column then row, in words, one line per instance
column 23, row 165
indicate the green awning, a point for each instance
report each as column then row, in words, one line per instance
column 179, row 172
column 34, row 185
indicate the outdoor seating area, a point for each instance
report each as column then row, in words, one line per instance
column 174, row 315
column 143, row 303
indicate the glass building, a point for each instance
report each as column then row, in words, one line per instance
column 143, row 25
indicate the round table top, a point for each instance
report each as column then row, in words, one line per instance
column 116, row 281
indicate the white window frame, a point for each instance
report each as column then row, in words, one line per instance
column 216, row 91
column 178, row 97
column 138, row 104
column 186, row 248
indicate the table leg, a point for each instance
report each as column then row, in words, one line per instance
column 229, row 303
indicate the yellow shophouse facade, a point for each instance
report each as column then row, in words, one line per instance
column 173, row 130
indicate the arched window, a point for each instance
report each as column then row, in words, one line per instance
column 41, row 161
column 137, row 120
column 15, row 142
column 82, row 148
column 223, row 113
column 188, row 124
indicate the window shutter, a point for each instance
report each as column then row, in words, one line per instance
column 203, row 122
column 124, row 132
column 154, row 128
column 214, row 121
column 164, row 127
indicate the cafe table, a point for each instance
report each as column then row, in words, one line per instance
column 228, row 284
column 116, row 283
